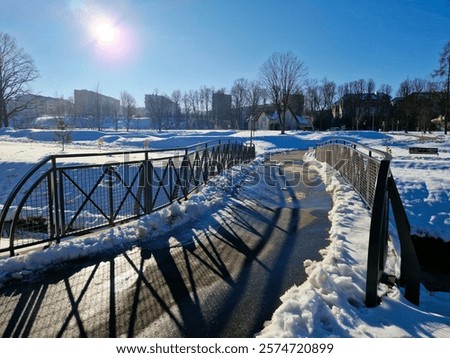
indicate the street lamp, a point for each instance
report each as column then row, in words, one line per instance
column 251, row 129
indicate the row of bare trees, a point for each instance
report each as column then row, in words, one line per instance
column 281, row 77
column 419, row 101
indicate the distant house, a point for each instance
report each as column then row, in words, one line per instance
column 267, row 119
column 362, row 110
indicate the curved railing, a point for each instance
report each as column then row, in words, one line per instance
column 368, row 171
column 72, row 194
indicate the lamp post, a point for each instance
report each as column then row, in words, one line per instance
column 251, row 130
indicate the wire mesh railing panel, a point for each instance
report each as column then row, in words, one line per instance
column 127, row 201
column 87, row 190
column 161, row 179
column 359, row 169
column 57, row 199
column 33, row 222
column 373, row 167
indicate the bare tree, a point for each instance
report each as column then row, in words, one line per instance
column 192, row 101
column 371, row 86
column 405, row 88
column 17, row 70
column 128, row 107
column 360, row 86
column 414, row 104
column 176, row 98
column 444, row 72
column 313, row 100
column 159, row 107
column 385, row 88
column 62, row 133
column 320, row 99
column 187, row 108
column 419, row 85
column 239, row 94
column 255, row 95
column 328, row 97
column 206, row 93
column 328, row 93
column 282, row 74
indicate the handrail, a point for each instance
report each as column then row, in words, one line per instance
column 60, row 200
column 368, row 171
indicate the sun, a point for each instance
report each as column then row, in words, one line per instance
column 110, row 39
column 104, row 31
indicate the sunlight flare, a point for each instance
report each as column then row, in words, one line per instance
column 105, row 32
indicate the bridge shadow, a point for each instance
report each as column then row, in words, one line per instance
column 221, row 278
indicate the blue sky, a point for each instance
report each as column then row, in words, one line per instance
column 186, row 44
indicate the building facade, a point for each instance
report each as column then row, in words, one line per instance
column 95, row 105
column 161, row 110
column 362, row 110
column 36, row 106
column 221, row 104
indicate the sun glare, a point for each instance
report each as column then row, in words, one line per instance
column 105, row 32
column 111, row 41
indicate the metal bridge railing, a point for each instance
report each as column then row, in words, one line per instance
column 367, row 170
column 73, row 194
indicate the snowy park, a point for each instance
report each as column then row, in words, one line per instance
column 331, row 301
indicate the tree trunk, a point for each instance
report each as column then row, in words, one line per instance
column 3, row 115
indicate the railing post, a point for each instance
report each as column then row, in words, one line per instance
column 62, row 214
column 170, row 168
column 51, row 199
column 185, row 169
column 410, row 267
column 110, row 195
column 376, row 239
column 148, row 185
column 56, row 203
column 206, row 164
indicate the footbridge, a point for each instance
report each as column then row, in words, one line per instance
column 68, row 195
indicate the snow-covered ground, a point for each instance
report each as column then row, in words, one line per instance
column 331, row 302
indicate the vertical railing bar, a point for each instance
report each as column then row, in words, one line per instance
column 170, row 168
column 54, row 209
column 110, row 195
column 185, row 165
column 62, row 213
column 51, row 202
column 148, row 184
